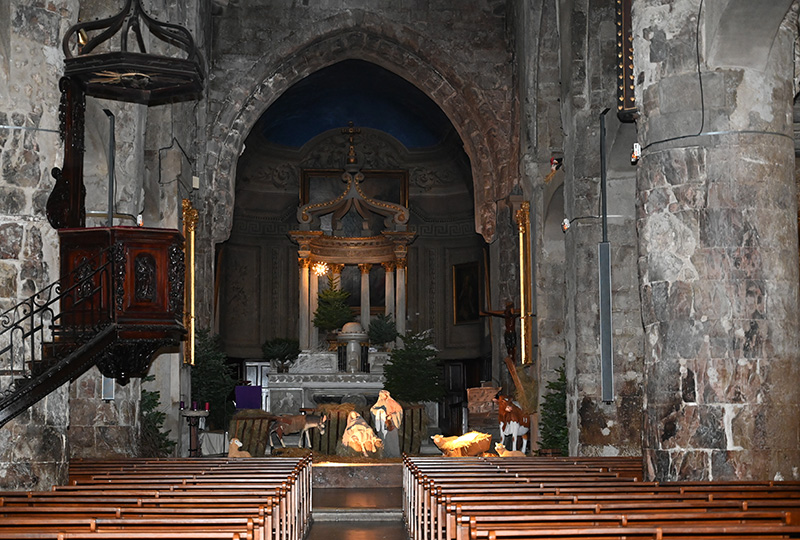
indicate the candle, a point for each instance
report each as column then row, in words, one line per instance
column 206, row 406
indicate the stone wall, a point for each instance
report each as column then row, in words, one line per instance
column 537, row 43
column 34, row 446
column 103, row 428
column 588, row 75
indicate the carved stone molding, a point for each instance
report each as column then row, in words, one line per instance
column 338, row 250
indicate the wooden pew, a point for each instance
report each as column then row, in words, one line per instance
column 133, row 498
column 472, row 526
column 456, row 499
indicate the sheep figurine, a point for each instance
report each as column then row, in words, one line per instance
column 233, row 449
column 502, row 452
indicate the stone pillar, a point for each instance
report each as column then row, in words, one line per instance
column 389, row 268
column 313, row 299
column 400, row 297
column 305, row 316
column 365, row 300
column 718, row 256
column 336, row 270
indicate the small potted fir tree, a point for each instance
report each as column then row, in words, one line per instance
column 332, row 310
column 281, row 353
column 382, row 330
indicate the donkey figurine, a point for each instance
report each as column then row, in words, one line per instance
column 297, row 423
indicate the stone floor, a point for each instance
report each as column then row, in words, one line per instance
column 357, row 514
column 361, row 530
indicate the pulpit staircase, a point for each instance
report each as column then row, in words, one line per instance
column 119, row 300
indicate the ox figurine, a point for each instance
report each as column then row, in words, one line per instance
column 513, row 422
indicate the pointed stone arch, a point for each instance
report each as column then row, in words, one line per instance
column 733, row 39
column 489, row 135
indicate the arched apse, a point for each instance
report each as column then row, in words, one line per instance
column 489, row 136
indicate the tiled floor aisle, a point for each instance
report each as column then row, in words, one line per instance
column 358, row 498
column 358, row 530
column 331, row 498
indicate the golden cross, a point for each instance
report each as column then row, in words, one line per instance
column 352, row 132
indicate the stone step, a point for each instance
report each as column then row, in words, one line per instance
column 357, row 514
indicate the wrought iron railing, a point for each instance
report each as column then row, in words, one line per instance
column 53, row 322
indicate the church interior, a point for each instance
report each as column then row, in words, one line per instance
column 598, row 197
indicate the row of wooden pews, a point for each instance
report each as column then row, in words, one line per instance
column 230, row 499
column 585, row 499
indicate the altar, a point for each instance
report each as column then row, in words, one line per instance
column 316, row 378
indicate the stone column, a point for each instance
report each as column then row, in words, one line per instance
column 389, row 268
column 400, row 297
column 305, row 318
column 336, row 270
column 365, row 300
column 718, row 256
column 313, row 300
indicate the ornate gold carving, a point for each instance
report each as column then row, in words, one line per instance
column 365, row 268
column 304, row 212
column 388, row 266
column 523, row 224
column 351, row 131
column 358, row 250
column 190, row 217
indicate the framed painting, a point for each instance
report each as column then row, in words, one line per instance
column 466, row 293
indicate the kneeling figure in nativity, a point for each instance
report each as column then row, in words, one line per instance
column 358, row 437
column 387, row 416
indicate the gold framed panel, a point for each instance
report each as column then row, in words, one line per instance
column 466, row 293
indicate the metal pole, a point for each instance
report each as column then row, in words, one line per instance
column 604, row 207
column 604, row 278
column 111, row 159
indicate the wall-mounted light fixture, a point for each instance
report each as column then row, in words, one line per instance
column 636, row 153
column 320, row 268
column 566, row 223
